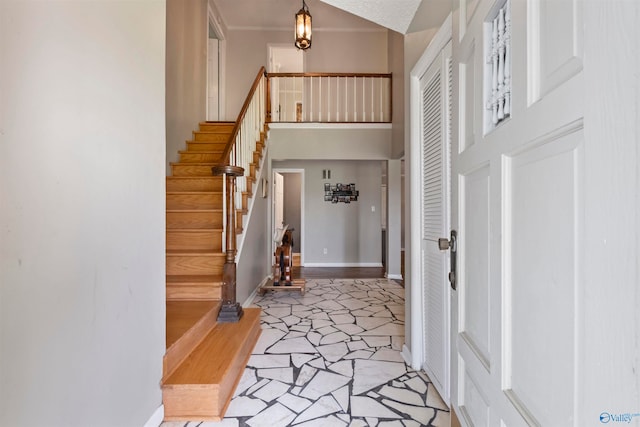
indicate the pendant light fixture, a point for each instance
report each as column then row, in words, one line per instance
column 303, row 28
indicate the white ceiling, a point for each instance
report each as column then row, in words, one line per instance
column 279, row 15
column 399, row 15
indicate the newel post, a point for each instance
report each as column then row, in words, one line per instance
column 231, row 310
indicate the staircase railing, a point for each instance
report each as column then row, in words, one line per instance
column 330, row 97
column 236, row 165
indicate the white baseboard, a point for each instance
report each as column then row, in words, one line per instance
column 249, row 300
column 342, row 264
column 156, row 418
column 406, row 354
column 394, row 276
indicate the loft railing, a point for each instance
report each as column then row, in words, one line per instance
column 330, row 97
column 235, row 167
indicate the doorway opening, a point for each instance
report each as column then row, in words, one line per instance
column 216, row 46
column 288, row 207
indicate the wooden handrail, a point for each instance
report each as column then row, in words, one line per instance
column 227, row 149
column 388, row 75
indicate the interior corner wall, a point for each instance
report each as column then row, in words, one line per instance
column 351, row 232
column 186, row 72
column 82, row 170
column 396, row 67
column 364, row 52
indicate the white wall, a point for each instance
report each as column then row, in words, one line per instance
column 396, row 68
column 82, row 162
column 351, row 232
column 186, row 69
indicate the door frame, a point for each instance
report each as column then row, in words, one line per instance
column 302, row 228
column 212, row 20
column 415, row 355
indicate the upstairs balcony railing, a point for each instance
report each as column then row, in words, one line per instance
column 329, row 97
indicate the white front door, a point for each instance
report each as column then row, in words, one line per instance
column 517, row 189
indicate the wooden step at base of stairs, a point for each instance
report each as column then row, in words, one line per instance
column 200, row 156
column 194, row 219
column 194, row 262
column 202, row 386
column 188, row 323
column 215, row 136
column 194, row 183
column 197, row 200
column 190, row 287
column 217, row 126
column 199, row 238
column 194, row 146
column 192, row 169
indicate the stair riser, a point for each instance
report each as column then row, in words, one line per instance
column 194, row 201
column 193, row 291
column 212, row 137
column 205, row 146
column 194, row 220
column 200, row 157
column 217, row 127
column 194, row 264
column 186, row 169
column 201, row 239
column 210, row 183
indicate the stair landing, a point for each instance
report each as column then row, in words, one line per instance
column 202, row 386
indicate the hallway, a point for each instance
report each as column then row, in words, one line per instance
column 332, row 358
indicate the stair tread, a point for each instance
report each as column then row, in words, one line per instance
column 201, row 152
column 193, row 230
column 194, row 164
column 183, row 315
column 200, row 252
column 179, row 177
column 193, row 210
column 210, row 278
column 225, row 341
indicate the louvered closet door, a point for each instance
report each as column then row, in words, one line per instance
column 435, row 223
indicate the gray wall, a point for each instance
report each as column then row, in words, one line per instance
column 186, row 70
column 292, row 207
column 350, row 232
column 331, row 52
column 396, row 67
column 82, row 166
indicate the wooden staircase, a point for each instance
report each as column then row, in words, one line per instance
column 204, row 360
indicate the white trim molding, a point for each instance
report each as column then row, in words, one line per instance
column 343, row 264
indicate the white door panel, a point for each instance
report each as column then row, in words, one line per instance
column 515, row 189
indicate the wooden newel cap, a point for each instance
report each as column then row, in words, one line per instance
column 227, row 169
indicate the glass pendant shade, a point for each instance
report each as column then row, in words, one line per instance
column 303, row 28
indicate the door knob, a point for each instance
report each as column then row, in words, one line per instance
column 451, row 245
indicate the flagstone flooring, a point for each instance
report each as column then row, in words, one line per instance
column 332, row 358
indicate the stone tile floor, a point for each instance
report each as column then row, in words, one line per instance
column 332, row 358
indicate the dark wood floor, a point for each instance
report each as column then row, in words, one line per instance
column 339, row 272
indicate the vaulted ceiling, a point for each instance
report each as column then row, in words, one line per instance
column 403, row 16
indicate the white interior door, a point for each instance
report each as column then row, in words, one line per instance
column 435, row 143
column 278, row 200
column 516, row 192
